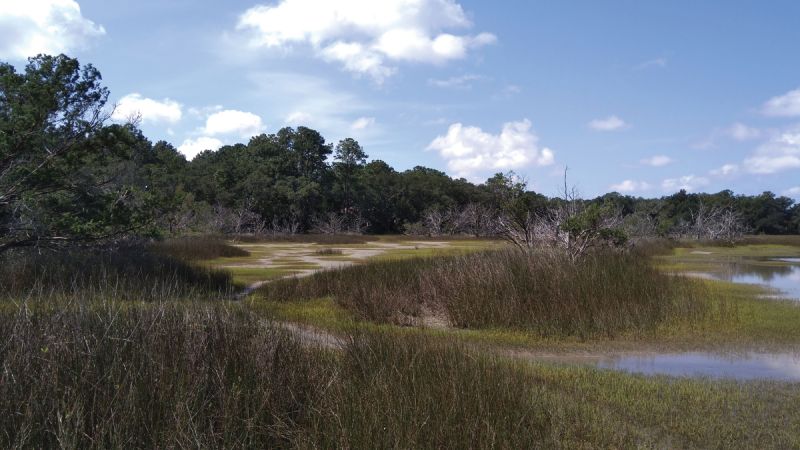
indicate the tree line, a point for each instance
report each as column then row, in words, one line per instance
column 69, row 175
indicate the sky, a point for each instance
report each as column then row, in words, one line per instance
column 636, row 96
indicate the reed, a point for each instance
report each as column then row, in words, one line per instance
column 605, row 294
column 198, row 248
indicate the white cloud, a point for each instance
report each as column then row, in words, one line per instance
column 231, row 121
column 362, row 123
column 657, row 161
column 298, row 118
column 149, row 110
column 460, row 82
column 365, row 36
column 204, row 112
column 611, row 123
column 30, row 27
column 358, row 59
column 469, row 150
column 688, row 183
column 786, row 105
column 657, row 63
column 191, row 147
column 630, row 186
column 742, row 132
column 781, row 152
column 792, row 192
column 725, row 170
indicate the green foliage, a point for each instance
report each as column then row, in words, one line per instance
column 591, row 224
column 64, row 175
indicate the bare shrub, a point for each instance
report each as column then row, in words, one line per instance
column 572, row 226
column 340, row 223
column 715, row 223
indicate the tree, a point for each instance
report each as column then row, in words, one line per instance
column 59, row 164
column 349, row 157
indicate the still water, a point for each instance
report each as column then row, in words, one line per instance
column 780, row 274
column 749, row 366
column 783, row 277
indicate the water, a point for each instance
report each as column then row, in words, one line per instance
column 783, row 277
column 750, row 366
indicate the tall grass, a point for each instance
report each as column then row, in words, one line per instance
column 196, row 375
column 123, row 273
column 198, row 248
column 606, row 293
column 158, row 377
column 409, row 392
column 322, row 239
column 169, row 376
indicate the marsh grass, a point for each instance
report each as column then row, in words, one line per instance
column 605, row 294
column 329, row 252
column 198, row 248
column 410, row 392
column 160, row 377
column 321, row 239
column 119, row 273
column 200, row 375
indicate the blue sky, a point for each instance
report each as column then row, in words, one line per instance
column 642, row 97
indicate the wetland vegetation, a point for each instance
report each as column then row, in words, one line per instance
column 261, row 296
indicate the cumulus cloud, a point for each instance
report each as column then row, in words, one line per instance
column 30, row 27
column 149, row 110
column 780, row 153
column 689, row 183
column 657, row 161
column 611, row 123
column 192, row 147
column 362, row 123
column 469, row 150
column 793, row 192
column 231, row 121
column 298, row 118
column 630, row 186
column 365, row 36
column 786, row 105
column 725, row 170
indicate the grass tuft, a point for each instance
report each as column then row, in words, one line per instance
column 605, row 294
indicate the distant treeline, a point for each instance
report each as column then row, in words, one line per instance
column 284, row 181
column 67, row 174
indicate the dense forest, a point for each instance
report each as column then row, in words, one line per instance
column 69, row 174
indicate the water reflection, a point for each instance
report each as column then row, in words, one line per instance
column 751, row 366
column 783, row 277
